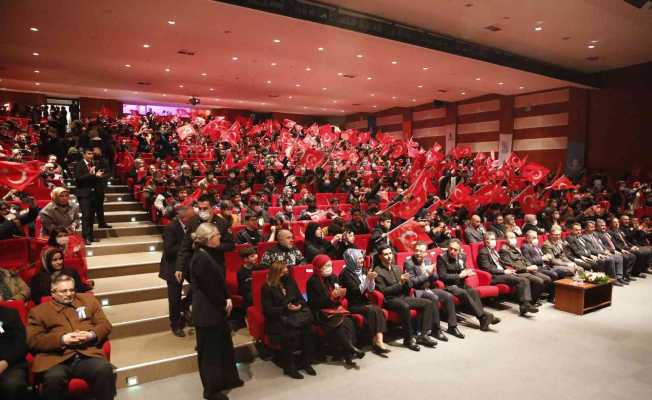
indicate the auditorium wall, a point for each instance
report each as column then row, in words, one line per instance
column 89, row 107
column 21, row 99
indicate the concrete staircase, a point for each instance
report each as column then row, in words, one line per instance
column 124, row 265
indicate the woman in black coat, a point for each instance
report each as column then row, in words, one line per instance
column 211, row 306
column 285, row 320
column 314, row 243
column 324, row 298
column 358, row 285
column 52, row 261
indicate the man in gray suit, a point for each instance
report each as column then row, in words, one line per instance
column 474, row 232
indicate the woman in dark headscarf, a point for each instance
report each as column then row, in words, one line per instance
column 315, row 243
column 358, row 284
column 52, row 260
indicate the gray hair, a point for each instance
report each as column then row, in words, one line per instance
column 531, row 234
column 203, row 234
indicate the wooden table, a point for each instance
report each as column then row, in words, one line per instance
column 580, row 298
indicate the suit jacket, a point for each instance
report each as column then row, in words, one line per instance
column 607, row 241
column 473, row 235
column 512, row 257
column 209, row 292
column 100, row 183
column 349, row 280
column 592, row 244
column 499, row 230
column 388, row 282
column 173, row 236
column 529, row 227
column 13, row 345
column 577, row 248
column 419, row 279
column 560, row 252
column 449, row 269
column 488, row 263
column 85, row 182
column 227, row 243
column 533, row 254
column 49, row 321
column 620, row 240
column 275, row 304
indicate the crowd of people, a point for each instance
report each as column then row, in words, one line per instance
column 221, row 187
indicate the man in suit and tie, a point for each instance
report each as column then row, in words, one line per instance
column 452, row 270
column 596, row 245
column 86, row 177
column 101, row 164
column 583, row 252
column 511, row 256
column 624, row 245
column 535, row 256
column 489, row 261
column 474, row 232
column 558, row 251
column 173, row 235
column 628, row 259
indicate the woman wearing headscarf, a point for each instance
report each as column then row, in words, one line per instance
column 52, row 261
column 211, row 306
column 288, row 320
column 314, row 242
column 324, row 298
column 358, row 285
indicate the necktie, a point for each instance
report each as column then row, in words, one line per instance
column 494, row 256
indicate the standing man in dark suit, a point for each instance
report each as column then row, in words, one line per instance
column 13, row 349
column 452, row 270
column 489, row 261
column 173, row 235
column 101, row 164
column 86, row 176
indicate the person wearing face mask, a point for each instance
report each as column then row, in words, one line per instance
column 511, row 256
column 52, row 261
column 531, row 224
column 66, row 336
column 490, row 261
column 288, row 320
column 533, row 252
column 325, row 298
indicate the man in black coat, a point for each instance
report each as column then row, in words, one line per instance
column 173, row 235
column 622, row 243
column 379, row 236
column 452, row 270
column 86, row 177
column 13, row 349
column 251, row 233
column 101, row 164
column 581, row 252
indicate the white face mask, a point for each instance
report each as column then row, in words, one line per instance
column 63, row 240
column 535, row 222
column 535, row 241
column 326, row 271
column 204, row 215
column 492, row 244
column 512, row 242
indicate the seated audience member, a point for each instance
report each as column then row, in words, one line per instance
column 555, row 248
column 531, row 224
column 423, row 275
column 379, row 236
column 52, row 263
column 286, row 214
column 165, row 204
column 60, row 238
column 251, row 233
column 249, row 264
column 12, row 287
column 342, row 243
column 59, row 213
column 13, row 349
column 284, row 251
column 490, row 261
column 452, row 270
column 396, row 289
column 511, row 256
column 510, row 225
column 628, row 259
column 315, row 244
column 325, row 301
column 474, row 232
column 358, row 284
column 274, row 227
column 623, row 236
column 11, row 224
column 596, row 247
column 582, row 255
column 288, row 320
column 534, row 254
column 498, row 227
column 66, row 336
column 358, row 223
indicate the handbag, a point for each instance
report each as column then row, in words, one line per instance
column 298, row 319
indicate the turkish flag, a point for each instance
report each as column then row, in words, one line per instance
column 414, row 198
column 185, row 131
column 288, row 123
column 534, row 172
column 562, row 183
column 413, row 148
column 461, row 194
column 228, row 161
column 192, row 197
column 214, row 127
column 529, row 202
column 405, row 236
column 400, row 148
column 18, row 176
column 231, row 135
column 312, row 158
column 327, row 136
column 489, row 194
column 124, row 162
column 313, row 130
column 363, row 137
column 514, row 161
column 461, row 151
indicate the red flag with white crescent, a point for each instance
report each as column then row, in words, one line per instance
column 18, row 176
column 534, row 172
column 312, row 158
column 405, row 236
column 414, row 198
column 185, row 131
column 562, row 183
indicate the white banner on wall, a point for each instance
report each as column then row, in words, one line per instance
column 504, row 147
column 450, row 140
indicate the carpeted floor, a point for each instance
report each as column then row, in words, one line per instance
column 606, row 354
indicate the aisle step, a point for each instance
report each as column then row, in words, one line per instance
column 135, row 319
column 121, row 229
column 109, row 189
column 127, row 244
column 122, row 206
column 126, row 216
column 120, row 196
column 130, row 289
column 115, row 265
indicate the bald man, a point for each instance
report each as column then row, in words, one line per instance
column 284, row 251
column 474, row 232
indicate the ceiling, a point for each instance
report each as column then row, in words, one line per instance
column 84, row 46
column 568, row 27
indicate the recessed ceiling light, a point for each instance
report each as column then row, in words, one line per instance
column 393, row 97
column 521, row 87
column 463, row 93
column 340, row 73
column 37, row 84
column 277, row 40
column 425, row 68
column 128, row 65
column 211, row 90
column 538, row 28
column 165, row 95
column 334, row 101
column 305, row 107
column 323, row 109
column 234, row 58
column 324, row 88
column 591, row 46
column 172, row 22
column 374, row 106
column 135, row 92
column 359, row 55
column 273, row 64
column 204, row 74
column 289, row 97
column 501, row 83
column 33, row 29
column 181, row 86
column 341, row 110
column 373, row 95
column 35, row 54
column 168, row 70
column 394, row 62
column 240, row 101
column 320, row 48
column 36, row 71
column 477, row 79
column 369, row 78
column 298, row 85
column 269, row 82
column 147, row 46
column 420, row 86
column 414, row 100
column 308, row 69
column 594, row 41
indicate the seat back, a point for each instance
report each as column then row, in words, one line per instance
column 257, row 281
column 17, row 305
column 301, row 274
column 338, row 266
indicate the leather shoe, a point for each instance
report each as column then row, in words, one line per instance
column 642, row 275
column 105, row 226
column 631, row 278
column 95, row 240
column 379, row 350
column 426, row 341
column 349, row 362
column 439, row 335
column 623, row 281
column 494, row 320
column 88, row 242
column 294, row 374
column 178, row 332
column 455, row 332
column 618, row 283
column 411, row 344
column 309, row 370
column 357, row 352
column 485, row 320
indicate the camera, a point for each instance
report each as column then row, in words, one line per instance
column 194, row 100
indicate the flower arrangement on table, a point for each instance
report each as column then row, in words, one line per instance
column 596, row 278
